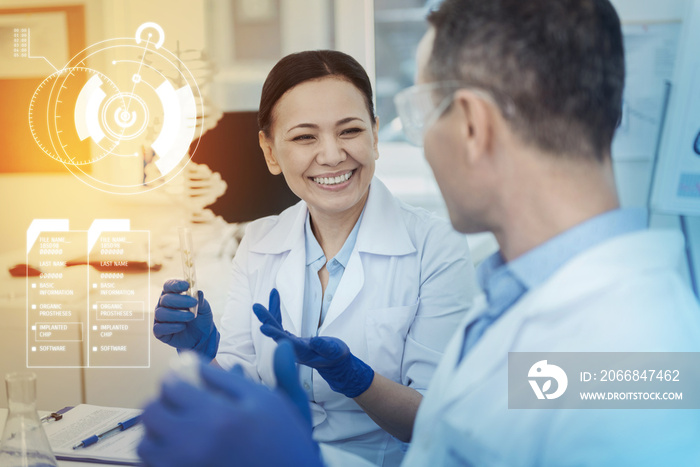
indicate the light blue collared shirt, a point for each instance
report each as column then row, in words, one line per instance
column 505, row 283
column 316, row 302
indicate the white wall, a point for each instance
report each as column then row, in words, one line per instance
column 634, row 176
column 646, row 10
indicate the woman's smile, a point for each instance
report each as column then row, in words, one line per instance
column 334, row 181
column 325, row 148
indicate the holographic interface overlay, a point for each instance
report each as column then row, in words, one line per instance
column 116, row 107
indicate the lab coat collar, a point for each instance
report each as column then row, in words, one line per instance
column 288, row 232
column 585, row 274
column 287, row 235
column 382, row 229
column 382, row 232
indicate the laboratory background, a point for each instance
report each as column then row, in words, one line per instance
column 229, row 46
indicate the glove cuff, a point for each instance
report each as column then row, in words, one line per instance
column 351, row 379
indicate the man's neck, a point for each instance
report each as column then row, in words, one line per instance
column 549, row 196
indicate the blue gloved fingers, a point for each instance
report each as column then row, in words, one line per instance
column 168, row 315
column 237, row 370
column 203, row 308
column 265, row 317
column 304, row 353
column 157, row 420
column 151, row 451
column 175, row 286
column 180, row 302
column 178, row 395
column 229, row 383
column 272, row 315
column 274, row 307
column 271, row 330
column 301, row 345
column 148, row 451
column 166, row 329
column 329, row 347
column 285, row 368
column 225, row 430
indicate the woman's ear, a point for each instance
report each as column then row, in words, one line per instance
column 266, row 146
column 375, row 134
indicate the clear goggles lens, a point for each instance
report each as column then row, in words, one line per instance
column 422, row 105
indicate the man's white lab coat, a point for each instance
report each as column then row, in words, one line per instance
column 623, row 295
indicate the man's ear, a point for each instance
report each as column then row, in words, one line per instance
column 476, row 122
column 266, row 146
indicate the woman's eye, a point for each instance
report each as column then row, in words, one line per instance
column 351, row 131
column 303, row 138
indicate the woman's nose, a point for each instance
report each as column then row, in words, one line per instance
column 331, row 153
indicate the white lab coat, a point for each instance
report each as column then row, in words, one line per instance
column 622, row 295
column 407, row 285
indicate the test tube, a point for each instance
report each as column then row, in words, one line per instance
column 187, row 254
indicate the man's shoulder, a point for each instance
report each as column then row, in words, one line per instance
column 426, row 226
column 650, row 311
column 624, row 295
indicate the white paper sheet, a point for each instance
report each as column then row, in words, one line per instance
column 83, row 421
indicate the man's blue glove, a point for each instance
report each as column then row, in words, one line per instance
column 330, row 356
column 287, row 376
column 233, row 421
column 176, row 326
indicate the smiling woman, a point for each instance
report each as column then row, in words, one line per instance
column 325, row 148
column 350, row 262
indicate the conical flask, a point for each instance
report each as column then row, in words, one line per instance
column 24, row 442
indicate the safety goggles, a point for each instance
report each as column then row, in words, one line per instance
column 420, row 106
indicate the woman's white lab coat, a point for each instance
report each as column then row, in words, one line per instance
column 407, row 285
column 624, row 295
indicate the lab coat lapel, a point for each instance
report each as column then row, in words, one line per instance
column 290, row 284
column 444, row 377
column 382, row 232
column 490, row 353
column 350, row 285
column 286, row 240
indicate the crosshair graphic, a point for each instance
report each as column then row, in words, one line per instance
column 114, row 102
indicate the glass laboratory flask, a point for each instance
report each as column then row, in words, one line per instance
column 24, row 442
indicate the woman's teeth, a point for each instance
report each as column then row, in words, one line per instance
column 333, row 180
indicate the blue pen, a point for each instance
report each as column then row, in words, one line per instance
column 95, row 438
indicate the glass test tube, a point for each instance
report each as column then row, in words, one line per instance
column 187, row 254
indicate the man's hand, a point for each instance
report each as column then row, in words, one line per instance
column 232, row 421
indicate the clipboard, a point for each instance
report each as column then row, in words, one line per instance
column 83, row 421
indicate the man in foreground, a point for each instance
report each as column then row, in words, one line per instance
column 516, row 103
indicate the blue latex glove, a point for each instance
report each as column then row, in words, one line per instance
column 176, row 326
column 330, row 356
column 287, row 376
column 232, row 421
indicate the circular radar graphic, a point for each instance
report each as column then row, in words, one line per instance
column 122, row 113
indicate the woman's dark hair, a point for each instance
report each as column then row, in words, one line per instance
column 304, row 66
